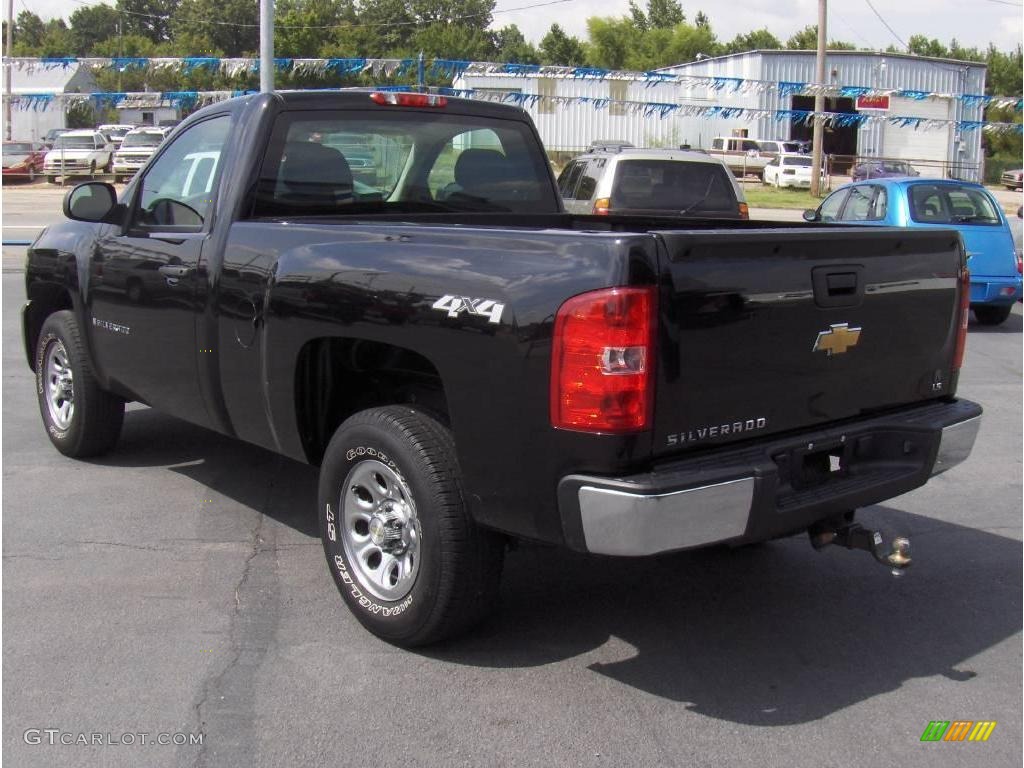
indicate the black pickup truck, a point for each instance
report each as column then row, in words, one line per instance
column 386, row 285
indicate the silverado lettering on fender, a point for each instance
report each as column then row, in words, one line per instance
column 386, row 285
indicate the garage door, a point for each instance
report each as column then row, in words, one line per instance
column 909, row 144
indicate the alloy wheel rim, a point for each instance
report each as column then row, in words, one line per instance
column 60, row 390
column 380, row 530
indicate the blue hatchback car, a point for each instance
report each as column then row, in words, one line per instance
column 949, row 204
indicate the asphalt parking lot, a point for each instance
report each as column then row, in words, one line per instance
column 177, row 586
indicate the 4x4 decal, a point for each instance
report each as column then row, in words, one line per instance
column 454, row 305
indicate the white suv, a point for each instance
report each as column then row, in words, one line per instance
column 135, row 150
column 78, row 153
column 651, row 182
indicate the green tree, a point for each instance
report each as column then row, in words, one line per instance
column 90, row 25
column 230, row 25
column 301, row 27
column 148, row 18
column 510, row 45
column 664, row 14
column 612, row 41
column 29, row 30
column 758, row 40
column 558, row 48
column 807, row 40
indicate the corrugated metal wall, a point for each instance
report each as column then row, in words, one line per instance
column 574, row 127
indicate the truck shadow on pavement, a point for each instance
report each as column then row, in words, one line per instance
column 266, row 482
column 771, row 635
column 775, row 634
column 1013, row 324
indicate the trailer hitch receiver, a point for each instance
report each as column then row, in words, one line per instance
column 895, row 555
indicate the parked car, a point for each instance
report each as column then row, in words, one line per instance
column 778, row 146
column 941, row 204
column 23, row 159
column 742, row 156
column 790, row 171
column 1012, row 180
column 52, row 134
column 469, row 364
column 136, row 148
column 882, row 169
column 661, row 182
column 78, row 153
column 115, row 132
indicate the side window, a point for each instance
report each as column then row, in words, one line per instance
column 750, row 146
column 588, row 182
column 858, row 207
column 880, row 206
column 829, row 210
column 769, row 146
column 717, row 144
column 569, row 178
column 177, row 190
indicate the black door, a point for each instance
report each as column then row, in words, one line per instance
column 145, row 297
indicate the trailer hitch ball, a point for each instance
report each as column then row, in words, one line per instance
column 855, row 536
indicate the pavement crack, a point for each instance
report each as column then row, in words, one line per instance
column 225, row 706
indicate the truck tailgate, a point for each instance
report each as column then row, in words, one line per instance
column 775, row 330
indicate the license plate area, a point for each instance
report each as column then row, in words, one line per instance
column 814, row 464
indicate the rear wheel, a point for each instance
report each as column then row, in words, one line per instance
column 410, row 563
column 80, row 418
column 92, row 169
column 992, row 315
column 51, row 179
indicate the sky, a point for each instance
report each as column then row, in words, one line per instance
column 971, row 22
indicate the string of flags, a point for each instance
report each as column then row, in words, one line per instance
column 189, row 100
column 454, row 68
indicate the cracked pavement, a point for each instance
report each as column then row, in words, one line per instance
column 177, row 585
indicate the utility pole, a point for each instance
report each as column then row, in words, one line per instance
column 819, row 103
column 266, row 46
column 7, row 55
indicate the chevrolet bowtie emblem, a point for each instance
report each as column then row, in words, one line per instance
column 837, row 339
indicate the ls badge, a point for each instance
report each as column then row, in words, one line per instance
column 837, row 339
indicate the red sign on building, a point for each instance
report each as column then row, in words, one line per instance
column 877, row 103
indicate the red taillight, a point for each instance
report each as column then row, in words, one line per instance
column 965, row 312
column 1020, row 264
column 602, row 206
column 601, row 360
column 400, row 99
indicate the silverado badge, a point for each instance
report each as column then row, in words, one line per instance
column 837, row 339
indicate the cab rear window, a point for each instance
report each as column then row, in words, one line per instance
column 951, row 204
column 340, row 163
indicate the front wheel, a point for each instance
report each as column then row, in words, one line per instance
column 992, row 315
column 406, row 556
column 80, row 418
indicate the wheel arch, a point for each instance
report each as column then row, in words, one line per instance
column 336, row 377
column 44, row 300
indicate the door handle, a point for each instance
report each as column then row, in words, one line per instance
column 174, row 270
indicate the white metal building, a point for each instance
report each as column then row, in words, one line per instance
column 33, row 122
column 941, row 152
column 147, row 110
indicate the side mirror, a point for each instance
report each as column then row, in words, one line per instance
column 811, row 215
column 94, row 201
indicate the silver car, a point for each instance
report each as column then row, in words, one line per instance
column 651, row 182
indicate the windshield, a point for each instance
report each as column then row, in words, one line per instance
column 804, row 162
column 343, row 163
column 951, row 204
column 116, row 132
column 17, row 149
column 142, row 140
column 671, row 185
column 74, row 142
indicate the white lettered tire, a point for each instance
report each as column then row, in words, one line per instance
column 409, row 561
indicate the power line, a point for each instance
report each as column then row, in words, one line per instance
column 1007, row 2
column 884, row 22
column 380, row 25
